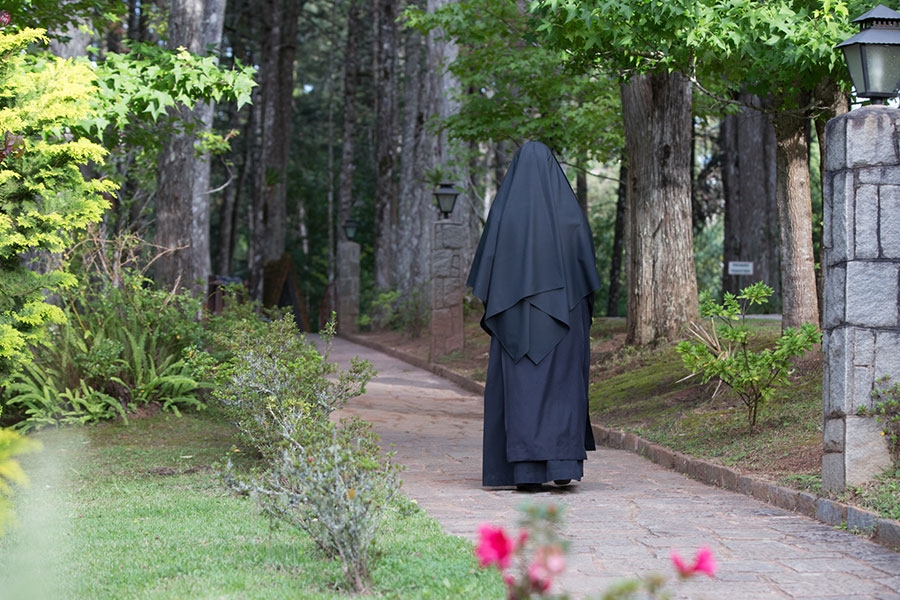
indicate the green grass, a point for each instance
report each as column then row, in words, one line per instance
column 138, row 511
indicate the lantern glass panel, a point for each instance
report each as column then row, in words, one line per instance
column 883, row 64
column 853, row 58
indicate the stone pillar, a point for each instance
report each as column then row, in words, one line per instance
column 861, row 341
column 447, row 273
column 347, row 286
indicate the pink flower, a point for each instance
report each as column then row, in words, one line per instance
column 549, row 561
column 703, row 563
column 539, row 578
column 494, row 547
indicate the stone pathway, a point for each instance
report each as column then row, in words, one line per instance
column 626, row 515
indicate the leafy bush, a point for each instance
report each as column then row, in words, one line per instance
column 723, row 350
column 273, row 378
column 331, row 483
column 393, row 310
column 45, row 199
column 12, row 444
column 327, row 479
column 118, row 348
column 886, row 409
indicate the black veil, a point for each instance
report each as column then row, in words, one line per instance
column 535, row 260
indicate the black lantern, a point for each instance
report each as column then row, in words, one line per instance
column 446, row 195
column 350, row 226
column 873, row 54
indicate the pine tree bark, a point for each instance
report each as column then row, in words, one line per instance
column 182, row 209
column 348, row 135
column 347, row 276
column 662, row 282
column 618, row 246
column 751, row 215
column 415, row 215
column 268, row 213
column 386, row 13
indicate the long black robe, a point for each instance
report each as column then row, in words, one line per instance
column 534, row 271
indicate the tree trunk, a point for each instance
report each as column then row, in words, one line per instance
column 348, row 135
column 346, row 305
column 268, row 215
column 386, row 13
column 798, row 276
column 615, row 261
column 751, row 214
column 662, row 282
column 581, row 190
column 182, row 211
column 416, row 213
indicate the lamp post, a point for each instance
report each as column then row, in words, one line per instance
column 445, row 195
column 447, row 272
column 348, row 279
column 873, row 54
column 350, row 226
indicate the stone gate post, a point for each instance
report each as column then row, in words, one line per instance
column 861, row 238
column 347, row 286
column 447, row 286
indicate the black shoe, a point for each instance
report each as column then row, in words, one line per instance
column 561, row 482
column 529, row 487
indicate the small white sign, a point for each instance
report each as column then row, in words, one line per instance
column 736, row 267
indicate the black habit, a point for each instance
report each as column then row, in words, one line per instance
column 534, row 271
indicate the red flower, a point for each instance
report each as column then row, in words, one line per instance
column 494, row 547
column 703, row 563
column 4, row 18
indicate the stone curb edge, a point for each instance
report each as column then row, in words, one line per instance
column 885, row 532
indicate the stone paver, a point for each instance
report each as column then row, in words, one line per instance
column 626, row 515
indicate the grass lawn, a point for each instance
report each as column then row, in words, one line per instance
column 138, row 511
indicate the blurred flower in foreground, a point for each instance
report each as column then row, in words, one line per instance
column 703, row 563
column 494, row 547
column 531, row 563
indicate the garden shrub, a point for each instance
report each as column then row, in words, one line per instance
column 397, row 311
column 45, row 199
column 723, row 350
column 886, row 408
column 12, row 444
column 330, row 480
column 118, row 348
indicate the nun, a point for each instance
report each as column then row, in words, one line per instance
column 534, row 272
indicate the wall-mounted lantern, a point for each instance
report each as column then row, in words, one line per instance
column 350, row 226
column 445, row 195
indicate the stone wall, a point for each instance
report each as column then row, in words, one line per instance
column 862, row 289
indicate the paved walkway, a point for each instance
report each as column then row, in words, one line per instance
column 627, row 513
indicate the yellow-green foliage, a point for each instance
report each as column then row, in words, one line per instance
column 12, row 444
column 45, row 199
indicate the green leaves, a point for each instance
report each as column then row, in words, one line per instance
column 771, row 49
column 723, row 349
column 140, row 87
column 12, row 444
column 45, row 200
column 516, row 86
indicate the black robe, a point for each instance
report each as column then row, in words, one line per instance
column 534, row 271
